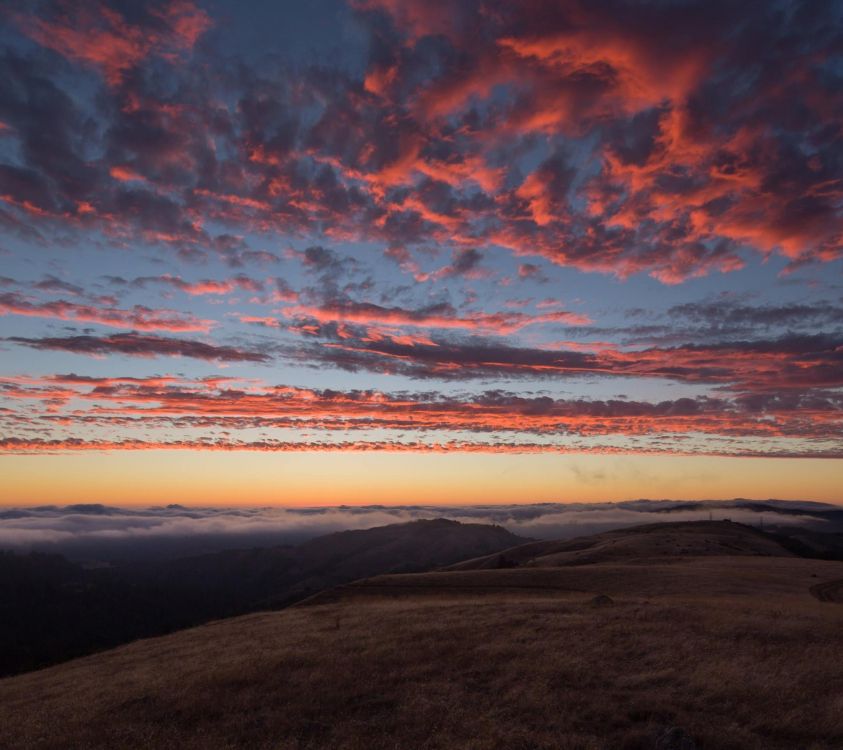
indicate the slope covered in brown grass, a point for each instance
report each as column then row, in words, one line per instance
column 641, row 543
column 733, row 649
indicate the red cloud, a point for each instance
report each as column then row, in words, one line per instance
column 101, row 36
column 437, row 316
column 139, row 317
column 664, row 176
column 40, row 446
column 125, row 174
column 205, row 286
column 161, row 403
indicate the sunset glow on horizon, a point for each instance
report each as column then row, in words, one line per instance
column 377, row 252
column 315, row 479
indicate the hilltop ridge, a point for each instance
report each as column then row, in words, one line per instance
column 659, row 541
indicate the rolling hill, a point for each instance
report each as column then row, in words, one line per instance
column 675, row 636
column 103, row 607
column 642, row 543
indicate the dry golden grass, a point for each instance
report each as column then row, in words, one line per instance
column 734, row 650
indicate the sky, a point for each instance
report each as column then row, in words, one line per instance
column 419, row 251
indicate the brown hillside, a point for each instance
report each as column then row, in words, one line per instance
column 733, row 649
column 646, row 543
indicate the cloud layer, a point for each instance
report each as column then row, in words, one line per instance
column 744, row 424
column 609, row 226
column 78, row 530
column 676, row 135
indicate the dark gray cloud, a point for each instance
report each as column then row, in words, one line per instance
column 798, row 360
column 52, row 284
column 717, row 319
column 141, row 345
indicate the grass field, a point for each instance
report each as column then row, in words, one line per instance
column 735, row 650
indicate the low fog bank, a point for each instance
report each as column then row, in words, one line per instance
column 99, row 532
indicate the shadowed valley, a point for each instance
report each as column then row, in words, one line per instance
column 54, row 609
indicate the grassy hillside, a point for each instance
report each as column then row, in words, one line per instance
column 642, row 543
column 52, row 610
column 733, row 650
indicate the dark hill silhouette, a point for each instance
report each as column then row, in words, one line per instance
column 277, row 576
column 52, row 609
